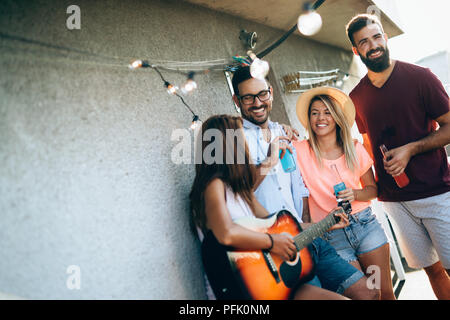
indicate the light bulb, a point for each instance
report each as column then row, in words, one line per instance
column 309, row 23
column 259, row 68
column 196, row 123
column 346, row 77
column 135, row 64
column 190, row 85
column 171, row 89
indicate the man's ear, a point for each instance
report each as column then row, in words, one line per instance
column 236, row 100
column 355, row 51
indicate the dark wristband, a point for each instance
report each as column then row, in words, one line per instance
column 271, row 241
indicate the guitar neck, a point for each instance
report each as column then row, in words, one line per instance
column 308, row 235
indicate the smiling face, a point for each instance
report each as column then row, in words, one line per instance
column 320, row 119
column 257, row 112
column 370, row 43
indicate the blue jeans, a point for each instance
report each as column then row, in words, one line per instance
column 333, row 272
column 364, row 234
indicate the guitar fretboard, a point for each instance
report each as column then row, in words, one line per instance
column 308, row 235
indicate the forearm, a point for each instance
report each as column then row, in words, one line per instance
column 366, row 194
column 242, row 238
column 434, row 140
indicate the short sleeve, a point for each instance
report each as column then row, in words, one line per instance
column 435, row 98
column 365, row 161
column 356, row 100
column 360, row 124
column 297, row 181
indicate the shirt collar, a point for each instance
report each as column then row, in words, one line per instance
column 249, row 125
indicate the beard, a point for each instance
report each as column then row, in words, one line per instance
column 258, row 121
column 378, row 64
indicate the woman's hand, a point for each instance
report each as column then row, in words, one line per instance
column 347, row 194
column 291, row 133
column 283, row 246
column 343, row 223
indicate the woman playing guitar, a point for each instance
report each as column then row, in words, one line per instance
column 222, row 194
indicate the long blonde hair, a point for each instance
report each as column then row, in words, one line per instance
column 343, row 132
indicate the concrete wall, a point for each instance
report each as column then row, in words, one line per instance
column 86, row 176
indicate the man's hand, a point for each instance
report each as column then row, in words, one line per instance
column 397, row 159
column 291, row 133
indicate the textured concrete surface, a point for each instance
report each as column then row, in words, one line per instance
column 86, row 177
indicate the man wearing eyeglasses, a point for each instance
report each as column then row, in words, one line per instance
column 277, row 190
column 273, row 185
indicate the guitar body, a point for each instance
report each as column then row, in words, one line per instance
column 237, row 274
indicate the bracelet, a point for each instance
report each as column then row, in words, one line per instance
column 271, row 241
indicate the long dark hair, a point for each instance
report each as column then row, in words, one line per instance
column 235, row 172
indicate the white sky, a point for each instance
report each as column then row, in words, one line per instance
column 426, row 26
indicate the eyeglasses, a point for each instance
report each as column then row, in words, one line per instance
column 263, row 95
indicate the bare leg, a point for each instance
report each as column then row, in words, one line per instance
column 356, row 264
column 360, row 291
column 310, row 292
column 380, row 258
column 439, row 280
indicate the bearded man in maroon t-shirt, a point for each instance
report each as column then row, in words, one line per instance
column 399, row 105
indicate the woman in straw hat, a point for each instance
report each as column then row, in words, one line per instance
column 328, row 115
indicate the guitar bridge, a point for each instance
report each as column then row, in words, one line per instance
column 271, row 265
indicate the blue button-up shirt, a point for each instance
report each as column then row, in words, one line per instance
column 279, row 190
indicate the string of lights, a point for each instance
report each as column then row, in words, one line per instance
column 309, row 22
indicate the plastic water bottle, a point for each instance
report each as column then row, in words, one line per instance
column 339, row 187
column 288, row 162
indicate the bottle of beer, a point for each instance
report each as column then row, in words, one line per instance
column 339, row 187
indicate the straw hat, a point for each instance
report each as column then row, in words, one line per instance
column 341, row 97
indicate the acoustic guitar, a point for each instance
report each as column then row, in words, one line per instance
column 260, row 275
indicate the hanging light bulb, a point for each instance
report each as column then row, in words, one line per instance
column 136, row 64
column 171, row 89
column 346, row 77
column 196, row 123
column 309, row 22
column 190, row 85
column 259, row 68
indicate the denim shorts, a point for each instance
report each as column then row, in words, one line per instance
column 332, row 272
column 363, row 235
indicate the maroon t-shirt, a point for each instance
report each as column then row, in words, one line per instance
column 399, row 112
